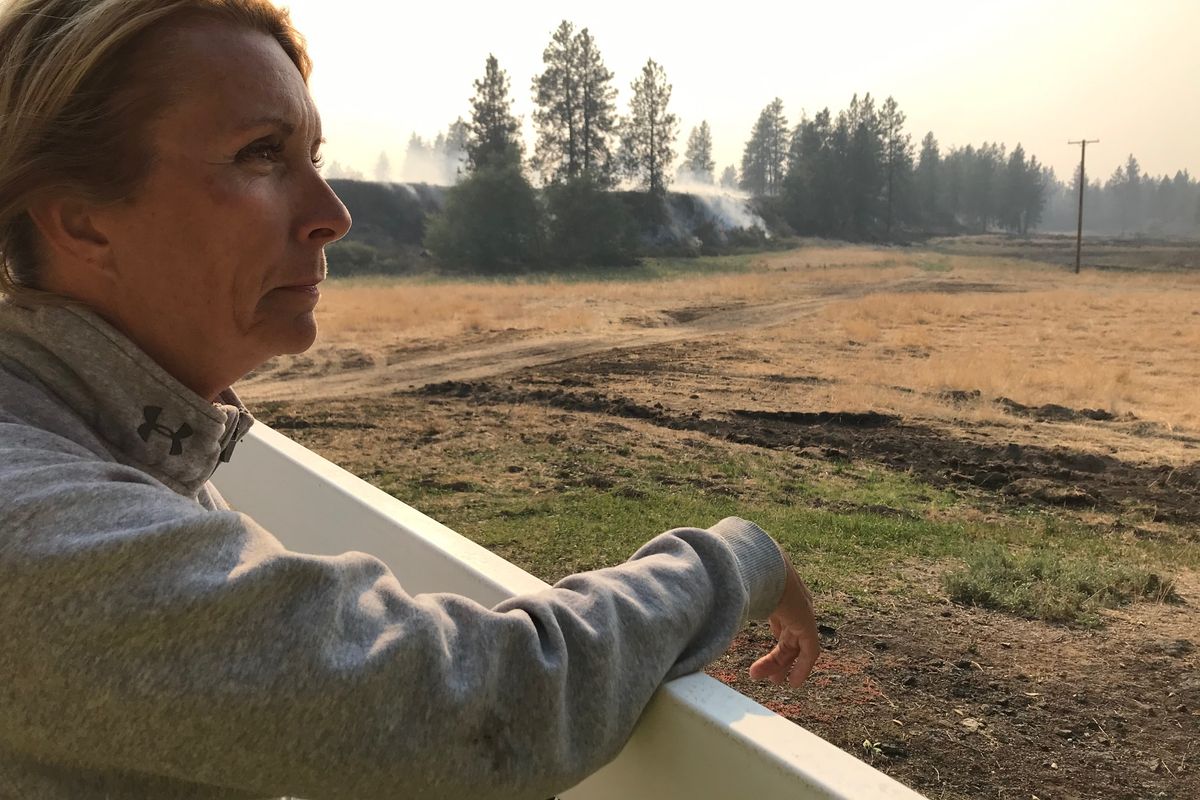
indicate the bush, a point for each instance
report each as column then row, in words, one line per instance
column 347, row 258
column 491, row 222
column 588, row 225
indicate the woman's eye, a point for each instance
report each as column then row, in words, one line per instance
column 260, row 152
column 268, row 152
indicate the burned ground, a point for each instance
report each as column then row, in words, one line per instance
column 1028, row 473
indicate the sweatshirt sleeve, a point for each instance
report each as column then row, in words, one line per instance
column 144, row 633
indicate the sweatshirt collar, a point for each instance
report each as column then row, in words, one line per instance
column 145, row 417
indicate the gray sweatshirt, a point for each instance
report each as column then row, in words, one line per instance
column 155, row 643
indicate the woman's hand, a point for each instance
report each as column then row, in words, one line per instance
column 794, row 626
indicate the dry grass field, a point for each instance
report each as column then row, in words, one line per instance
column 888, row 330
column 988, row 468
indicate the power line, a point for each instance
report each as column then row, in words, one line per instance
column 1083, row 143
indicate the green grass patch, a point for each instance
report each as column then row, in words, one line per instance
column 1046, row 583
column 851, row 528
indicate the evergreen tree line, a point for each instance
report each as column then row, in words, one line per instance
column 1128, row 202
column 855, row 175
column 859, row 175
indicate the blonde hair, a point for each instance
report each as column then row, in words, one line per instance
column 74, row 108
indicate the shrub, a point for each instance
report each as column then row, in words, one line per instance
column 347, row 258
column 491, row 222
column 587, row 225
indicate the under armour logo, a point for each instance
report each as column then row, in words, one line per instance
column 151, row 413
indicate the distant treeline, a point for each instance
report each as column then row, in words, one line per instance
column 854, row 175
column 858, row 175
column 1129, row 202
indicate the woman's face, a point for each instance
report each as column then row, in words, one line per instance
column 216, row 259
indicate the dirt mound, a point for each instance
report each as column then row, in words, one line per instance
column 848, row 419
column 1049, row 412
column 1052, row 412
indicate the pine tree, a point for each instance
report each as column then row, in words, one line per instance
column 800, row 185
column 766, row 152
column 492, row 218
column 857, row 139
column 490, row 221
column 494, row 131
column 648, row 132
column 698, row 162
column 729, row 177
column 1177, row 216
column 1033, row 195
column 337, row 171
column 927, row 183
column 599, row 98
column 1160, row 199
column 575, row 111
column 558, row 108
column 416, row 161
column 1128, row 195
column 954, row 172
column 383, row 168
column 897, row 161
column 754, row 165
column 817, row 190
column 454, row 150
column 1012, row 193
column 982, row 187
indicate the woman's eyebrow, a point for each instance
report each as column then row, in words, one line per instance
column 286, row 126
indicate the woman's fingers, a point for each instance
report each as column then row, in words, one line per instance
column 808, row 650
column 791, row 660
column 795, row 627
column 775, row 665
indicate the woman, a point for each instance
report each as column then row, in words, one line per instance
column 162, row 225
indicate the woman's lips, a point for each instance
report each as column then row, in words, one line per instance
column 304, row 288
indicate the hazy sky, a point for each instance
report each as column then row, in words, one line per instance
column 1039, row 73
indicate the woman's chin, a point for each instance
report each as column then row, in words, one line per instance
column 295, row 336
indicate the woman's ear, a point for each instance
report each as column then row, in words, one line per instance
column 68, row 227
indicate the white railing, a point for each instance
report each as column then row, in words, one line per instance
column 698, row 739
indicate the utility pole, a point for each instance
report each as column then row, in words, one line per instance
column 1083, row 143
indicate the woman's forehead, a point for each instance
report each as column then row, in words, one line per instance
column 235, row 79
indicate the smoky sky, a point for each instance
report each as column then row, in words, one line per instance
column 1030, row 72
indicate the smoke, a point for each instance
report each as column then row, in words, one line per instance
column 440, row 162
column 424, row 163
column 730, row 207
column 421, row 164
column 334, row 170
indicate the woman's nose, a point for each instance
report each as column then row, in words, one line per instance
column 329, row 220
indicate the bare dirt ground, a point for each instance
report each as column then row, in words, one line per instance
column 1012, row 384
